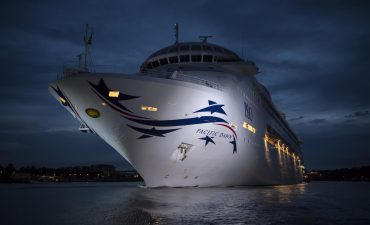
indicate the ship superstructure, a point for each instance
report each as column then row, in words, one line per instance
column 194, row 115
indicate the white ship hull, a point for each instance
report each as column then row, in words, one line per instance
column 182, row 143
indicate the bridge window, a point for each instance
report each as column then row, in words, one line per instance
column 225, row 59
column 163, row 61
column 184, row 58
column 196, row 58
column 174, row 59
column 207, row 58
column 149, row 66
column 155, row 64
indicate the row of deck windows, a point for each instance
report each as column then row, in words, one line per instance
column 188, row 58
column 192, row 48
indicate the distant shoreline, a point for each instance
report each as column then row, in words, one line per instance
column 356, row 174
column 92, row 173
column 108, row 173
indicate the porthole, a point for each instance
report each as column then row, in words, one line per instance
column 92, row 112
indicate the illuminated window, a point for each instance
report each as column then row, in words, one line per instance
column 62, row 100
column 114, row 94
column 149, row 108
column 249, row 127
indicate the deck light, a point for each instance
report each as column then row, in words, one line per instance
column 249, row 127
column 149, row 108
column 114, row 94
column 62, row 100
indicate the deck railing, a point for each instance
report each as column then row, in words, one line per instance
column 73, row 68
column 181, row 76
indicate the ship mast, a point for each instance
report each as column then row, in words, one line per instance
column 87, row 42
column 176, row 27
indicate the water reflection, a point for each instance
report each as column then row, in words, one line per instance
column 267, row 153
column 214, row 205
column 121, row 203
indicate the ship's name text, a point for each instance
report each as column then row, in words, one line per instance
column 214, row 133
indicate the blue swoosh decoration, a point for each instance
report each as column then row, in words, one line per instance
column 61, row 95
column 152, row 131
column 210, row 102
column 103, row 90
column 67, row 103
column 213, row 109
column 144, row 136
column 234, row 145
column 179, row 122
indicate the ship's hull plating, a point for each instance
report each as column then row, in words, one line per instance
column 195, row 138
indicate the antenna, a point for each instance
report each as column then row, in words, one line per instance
column 87, row 42
column 204, row 38
column 243, row 45
column 176, row 27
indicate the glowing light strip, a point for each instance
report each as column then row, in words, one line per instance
column 249, row 127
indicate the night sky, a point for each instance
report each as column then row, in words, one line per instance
column 314, row 58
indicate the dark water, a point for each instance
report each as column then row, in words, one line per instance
column 126, row 203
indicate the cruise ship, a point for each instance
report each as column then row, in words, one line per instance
column 193, row 116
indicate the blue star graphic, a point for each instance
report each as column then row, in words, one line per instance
column 213, row 108
column 234, row 145
column 207, row 139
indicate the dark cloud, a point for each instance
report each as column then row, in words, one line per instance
column 296, row 118
column 358, row 114
column 313, row 56
column 318, row 121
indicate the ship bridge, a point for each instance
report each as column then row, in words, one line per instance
column 193, row 53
